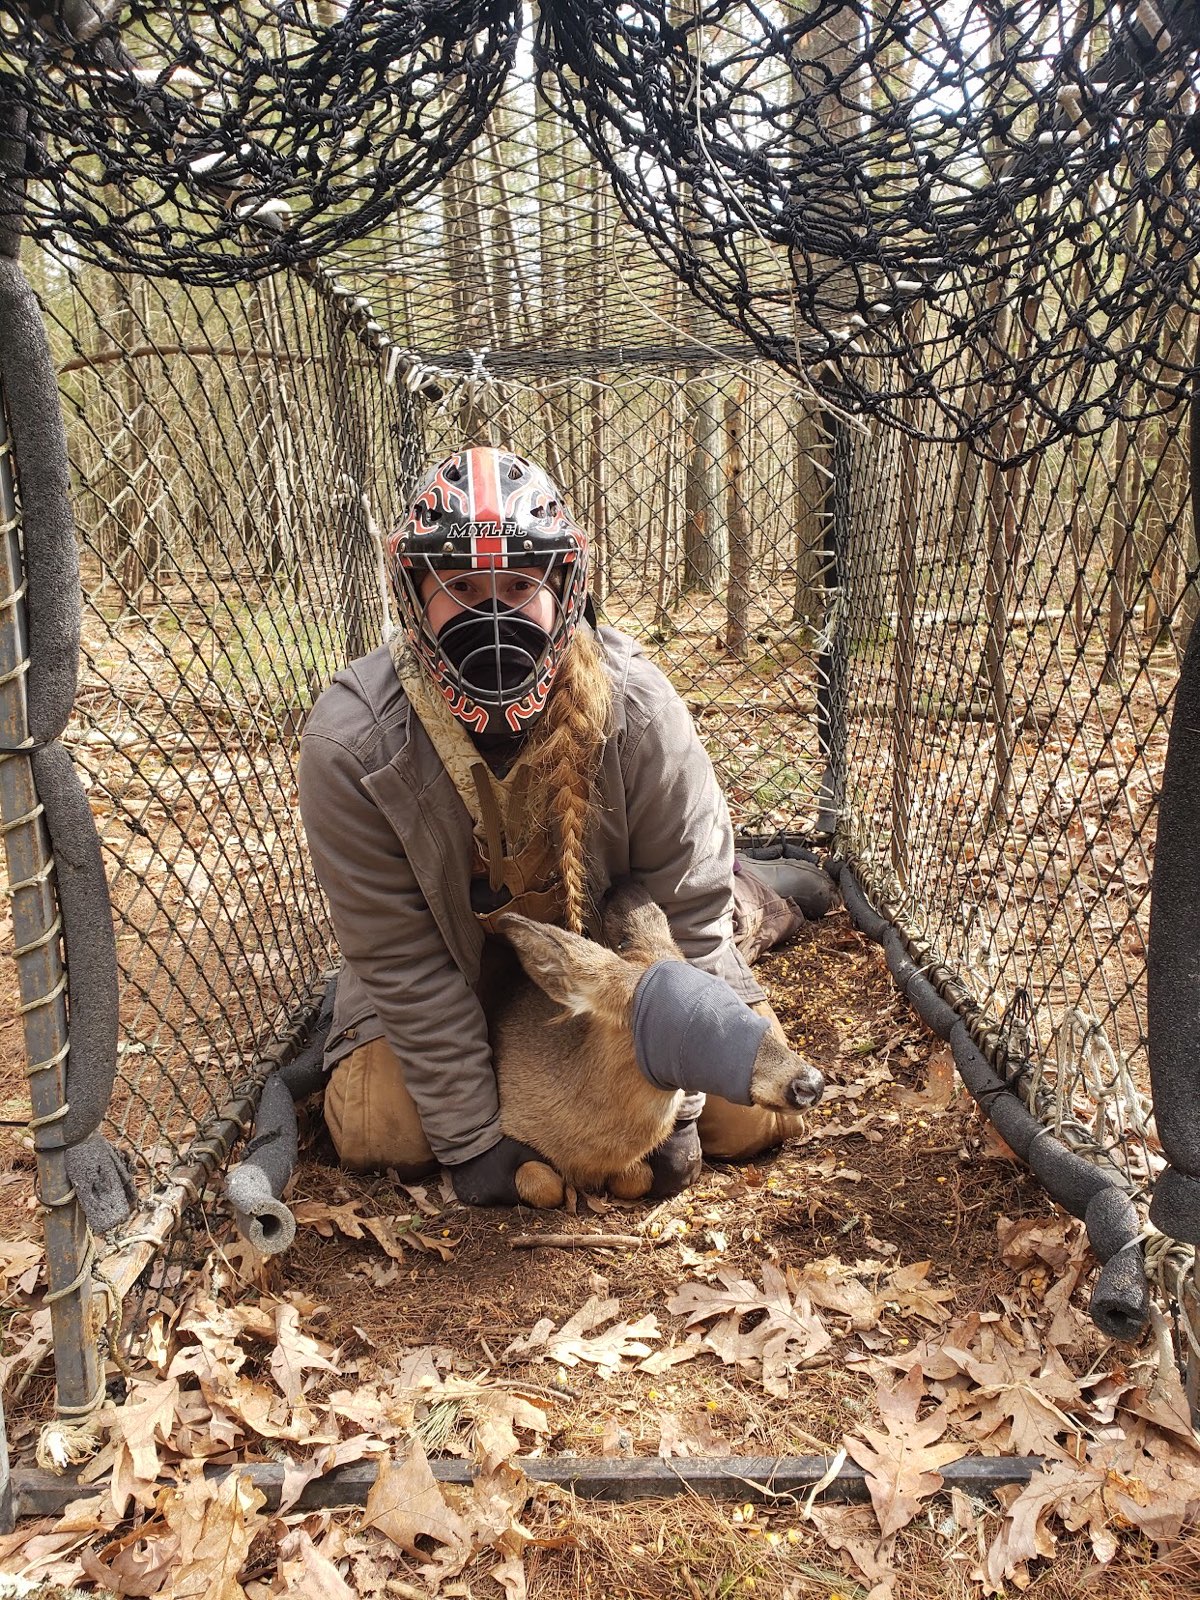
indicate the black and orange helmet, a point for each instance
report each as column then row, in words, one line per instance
column 487, row 510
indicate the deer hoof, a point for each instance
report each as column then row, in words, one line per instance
column 633, row 1183
column 539, row 1185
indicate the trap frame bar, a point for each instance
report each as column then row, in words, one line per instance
column 761, row 1480
column 79, row 1384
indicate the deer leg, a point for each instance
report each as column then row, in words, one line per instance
column 633, row 1182
column 539, row 1185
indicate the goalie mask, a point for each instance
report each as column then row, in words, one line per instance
column 490, row 574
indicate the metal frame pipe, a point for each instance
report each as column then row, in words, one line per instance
column 41, row 981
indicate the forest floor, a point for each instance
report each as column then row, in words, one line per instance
column 892, row 1286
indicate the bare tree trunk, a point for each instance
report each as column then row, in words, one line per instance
column 664, row 595
column 1121, row 558
column 267, row 523
column 703, row 556
column 141, row 565
column 810, row 463
column 358, row 601
column 737, row 595
column 597, row 456
column 597, row 477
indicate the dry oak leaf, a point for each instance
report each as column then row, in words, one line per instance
column 305, row 1573
column 1056, row 1242
column 392, row 1234
column 295, row 1353
column 406, row 1503
column 902, row 1460
column 139, row 1427
column 790, row 1336
column 853, row 1530
column 575, row 1341
column 18, row 1257
column 261, row 1411
column 497, row 1414
column 833, row 1286
column 1032, row 1391
column 297, row 1475
column 672, row 1356
column 216, row 1523
column 1075, row 1492
column 908, row 1289
column 138, row 1563
column 382, row 1413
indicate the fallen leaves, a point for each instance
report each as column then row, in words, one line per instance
column 215, row 1525
column 584, row 1338
column 394, row 1235
column 789, row 1336
column 254, row 1380
column 406, row 1503
column 902, row 1459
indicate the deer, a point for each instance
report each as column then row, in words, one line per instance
column 565, row 1050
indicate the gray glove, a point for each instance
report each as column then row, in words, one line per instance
column 490, row 1179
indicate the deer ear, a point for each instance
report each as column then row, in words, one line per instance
column 582, row 976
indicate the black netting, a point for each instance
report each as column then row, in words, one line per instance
column 863, row 191
column 230, row 565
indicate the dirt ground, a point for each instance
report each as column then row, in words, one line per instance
column 889, row 1171
column 896, row 1170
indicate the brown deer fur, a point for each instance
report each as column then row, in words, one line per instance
column 563, row 1048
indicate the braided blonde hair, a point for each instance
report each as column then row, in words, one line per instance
column 567, row 747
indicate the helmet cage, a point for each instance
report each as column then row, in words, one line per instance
column 490, row 511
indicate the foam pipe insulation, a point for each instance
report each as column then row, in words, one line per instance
column 255, row 1186
column 1173, row 966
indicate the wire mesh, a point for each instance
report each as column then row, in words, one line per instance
column 227, row 452
column 1009, row 656
column 814, row 172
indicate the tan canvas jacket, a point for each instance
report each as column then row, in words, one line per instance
column 392, row 846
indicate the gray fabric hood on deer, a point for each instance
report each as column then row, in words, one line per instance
column 690, row 1031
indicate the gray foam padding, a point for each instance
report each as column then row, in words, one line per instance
column 1173, row 1014
column 48, row 528
column 1120, row 1305
column 934, row 1012
column 253, row 1188
column 863, row 914
column 900, row 964
column 89, row 940
column 1175, row 1206
column 102, row 1183
column 1121, row 1300
column 1111, row 1221
column 304, row 1074
column 13, row 123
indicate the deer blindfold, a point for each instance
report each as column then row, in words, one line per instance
column 690, row 1031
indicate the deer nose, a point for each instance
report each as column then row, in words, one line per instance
column 806, row 1087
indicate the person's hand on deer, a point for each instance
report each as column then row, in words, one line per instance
column 505, row 757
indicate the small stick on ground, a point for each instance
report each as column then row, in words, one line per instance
column 577, row 1241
